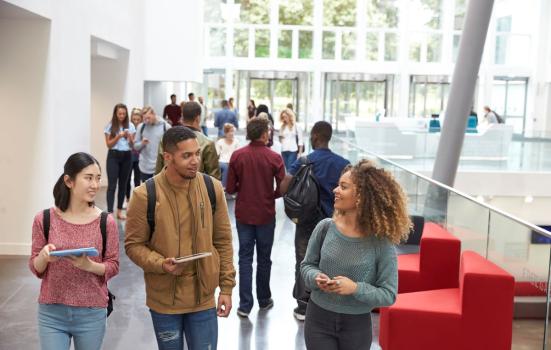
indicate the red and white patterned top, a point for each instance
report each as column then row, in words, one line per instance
column 62, row 283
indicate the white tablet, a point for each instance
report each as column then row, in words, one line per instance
column 192, row 257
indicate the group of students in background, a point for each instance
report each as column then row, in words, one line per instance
column 345, row 262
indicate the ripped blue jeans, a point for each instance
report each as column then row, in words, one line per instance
column 200, row 330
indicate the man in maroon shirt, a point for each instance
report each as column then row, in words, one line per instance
column 173, row 111
column 251, row 174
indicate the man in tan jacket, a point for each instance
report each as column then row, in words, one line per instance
column 181, row 295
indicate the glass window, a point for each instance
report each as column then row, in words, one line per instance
column 285, row 44
column 348, row 46
column 391, row 47
column 217, row 42
column 460, row 11
column 241, row 42
column 456, row 40
column 254, row 11
column 216, row 83
column 434, row 48
column 305, row 44
column 372, row 47
column 260, row 91
column 262, row 43
column 425, row 14
column 503, row 24
column 371, row 98
column 415, row 47
column 213, row 11
column 296, row 12
column 339, row 13
column 328, row 46
column 382, row 13
column 501, row 48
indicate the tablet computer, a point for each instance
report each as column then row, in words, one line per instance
column 192, row 257
column 90, row 251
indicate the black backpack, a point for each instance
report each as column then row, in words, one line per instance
column 152, row 198
column 302, row 200
column 103, row 228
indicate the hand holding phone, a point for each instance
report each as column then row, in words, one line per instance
column 323, row 281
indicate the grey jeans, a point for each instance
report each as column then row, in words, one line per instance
column 327, row 330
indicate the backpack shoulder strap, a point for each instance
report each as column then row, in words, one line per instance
column 164, row 126
column 324, row 230
column 46, row 223
column 141, row 130
column 151, row 199
column 210, row 190
column 103, row 228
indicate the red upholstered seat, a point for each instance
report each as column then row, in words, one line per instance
column 435, row 267
column 476, row 315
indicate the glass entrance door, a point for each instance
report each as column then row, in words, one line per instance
column 345, row 99
column 509, row 101
column 275, row 93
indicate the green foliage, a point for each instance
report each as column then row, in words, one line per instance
column 254, row 11
column 296, row 12
column 339, row 13
column 382, row 13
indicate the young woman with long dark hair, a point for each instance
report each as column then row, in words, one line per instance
column 73, row 294
column 119, row 138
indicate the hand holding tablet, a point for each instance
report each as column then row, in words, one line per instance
column 90, row 251
column 191, row 257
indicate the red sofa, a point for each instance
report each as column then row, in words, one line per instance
column 436, row 266
column 476, row 315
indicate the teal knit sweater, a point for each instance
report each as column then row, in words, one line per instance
column 368, row 261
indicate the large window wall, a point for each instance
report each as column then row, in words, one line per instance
column 414, row 41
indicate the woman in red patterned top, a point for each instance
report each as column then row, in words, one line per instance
column 73, row 294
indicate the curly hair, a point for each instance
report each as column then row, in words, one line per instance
column 382, row 204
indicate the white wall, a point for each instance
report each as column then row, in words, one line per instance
column 25, row 146
column 174, row 40
column 108, row 86
column 46, row 86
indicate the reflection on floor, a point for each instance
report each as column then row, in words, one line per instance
column 130, row 324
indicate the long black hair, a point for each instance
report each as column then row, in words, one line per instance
column 74, row 165
column 115, row 123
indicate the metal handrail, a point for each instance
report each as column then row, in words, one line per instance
column 451, row 189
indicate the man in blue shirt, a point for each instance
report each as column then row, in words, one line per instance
column 223, row 116
column 327, row 167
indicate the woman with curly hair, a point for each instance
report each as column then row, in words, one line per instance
column 350, row 264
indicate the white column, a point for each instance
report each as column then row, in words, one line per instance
column 274, row 24
column 361, row 25
column 228, row 89
column 403, row 58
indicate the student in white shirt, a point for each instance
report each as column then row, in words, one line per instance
column 225, row 148
column 290, row 136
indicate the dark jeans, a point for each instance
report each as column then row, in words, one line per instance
column 302, row 236
column 263, row 237
column 200, row 330
column 289, row 158
column 119, row 164
column 145, row 176
column 327, row 330
column 136, row 169
column 224, row 167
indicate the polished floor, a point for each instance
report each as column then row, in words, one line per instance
column 129, row 327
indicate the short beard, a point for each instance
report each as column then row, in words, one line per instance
column 187, row 177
